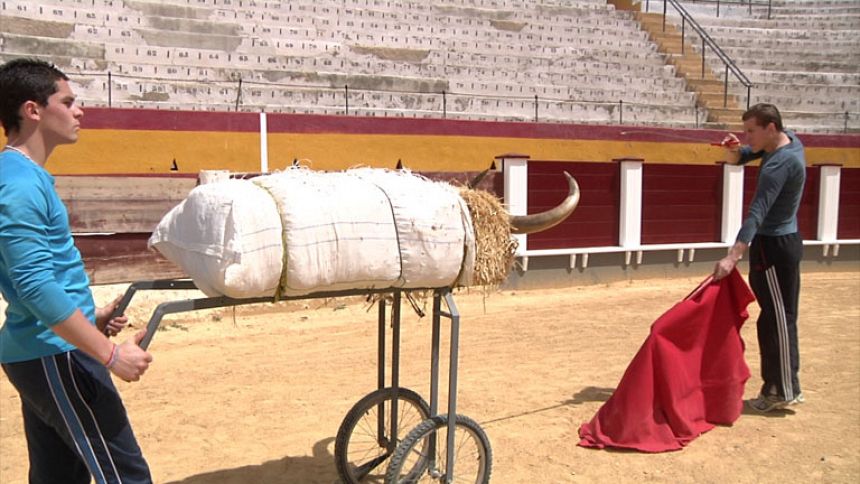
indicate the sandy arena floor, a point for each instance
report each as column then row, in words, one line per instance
column 256, row 395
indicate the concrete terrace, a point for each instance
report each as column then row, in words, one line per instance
column 572, row 61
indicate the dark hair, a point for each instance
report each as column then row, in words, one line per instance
column 764, row 114
column 23, row 80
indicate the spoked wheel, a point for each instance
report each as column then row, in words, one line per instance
column 473, row 458
column 364, row 441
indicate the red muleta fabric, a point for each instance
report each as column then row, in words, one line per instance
column 688, row 375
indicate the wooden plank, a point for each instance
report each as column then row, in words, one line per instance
column 130, row 268
column 120, row 204
column 117, row 258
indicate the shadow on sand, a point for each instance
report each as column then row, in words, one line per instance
column 318, row 468
column 587, row 394
column 591, row 394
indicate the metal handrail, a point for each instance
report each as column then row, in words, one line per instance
column 707, row 41
column 749, row 4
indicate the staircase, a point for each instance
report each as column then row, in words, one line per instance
column 709, row 88
column 723, row 112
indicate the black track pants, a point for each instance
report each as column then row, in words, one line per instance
column 75, row 422
column 775, row 279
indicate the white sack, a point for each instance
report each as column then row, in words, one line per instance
column 339, row 231
column 359, row 229
column 221, row 235
column 432, row 221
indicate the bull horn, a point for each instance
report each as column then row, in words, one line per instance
column 527, row 224
column 478, row 179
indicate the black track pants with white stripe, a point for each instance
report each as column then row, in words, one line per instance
column 75, row 423
column 775, row 280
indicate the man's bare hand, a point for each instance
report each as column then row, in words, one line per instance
column 106, row 324
column 731, row 142
column 724, row 267
column 727, row 264
column 132, row 361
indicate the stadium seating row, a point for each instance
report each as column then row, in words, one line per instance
column 499, row 52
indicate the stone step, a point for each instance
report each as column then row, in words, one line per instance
column 705, row 84
column 27, row 45
column 725, row 115
column 691, row 70
column 715, row 100
column 672, row 45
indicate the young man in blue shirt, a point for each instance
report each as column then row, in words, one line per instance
column 776, row 248
column 53, row 346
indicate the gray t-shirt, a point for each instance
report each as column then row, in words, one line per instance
column 773, row 210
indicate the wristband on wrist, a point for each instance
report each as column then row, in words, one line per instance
column 114, row 355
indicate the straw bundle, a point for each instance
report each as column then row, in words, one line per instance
column 495, row 247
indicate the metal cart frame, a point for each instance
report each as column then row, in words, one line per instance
column 438, row 313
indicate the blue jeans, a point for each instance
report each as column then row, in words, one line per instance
column 75, row 423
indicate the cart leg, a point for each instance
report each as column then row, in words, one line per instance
column 434, row 373
column 380, row 381
column 395, row 360
column 434, row 355
column 452, row 383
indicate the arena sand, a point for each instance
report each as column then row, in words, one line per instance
column 256, row 395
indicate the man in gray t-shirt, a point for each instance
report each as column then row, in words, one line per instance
column 776, row 248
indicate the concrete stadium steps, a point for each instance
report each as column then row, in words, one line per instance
column 225, row 22
column 806, row 59
column 814, row 3
column 811, row 122
column 37, row 28
column 469, row 108
column 800, row 66
column 708, row 91
column 793, row 77
column 806, row 43
column 820, row 96
column 123, row 89
column 67, row 64
column 763, row 29
column 789, row 101
column 166, row 53
column 838, row 23
column 522, row 70
column 194, row 35
column 630, row 89
column 195, row 63
column 23, row 45
column 846, row 53
column 566, row 70
column 834, row 16
column 801, row 61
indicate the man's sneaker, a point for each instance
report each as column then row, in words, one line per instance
column 769, row 403
column 798, row 399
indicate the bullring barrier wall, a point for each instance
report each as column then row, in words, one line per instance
column 655, row 191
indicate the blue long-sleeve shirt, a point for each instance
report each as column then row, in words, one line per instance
column 42, row 275
column 773, row 210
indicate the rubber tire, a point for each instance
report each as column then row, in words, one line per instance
column 358, row 411
column 419, row 433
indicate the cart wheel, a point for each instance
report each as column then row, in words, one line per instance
column 473, row 458
column 362, row 447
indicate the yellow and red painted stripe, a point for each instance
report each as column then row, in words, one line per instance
column 140, row 141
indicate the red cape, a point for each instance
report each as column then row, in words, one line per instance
column 687, row 376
